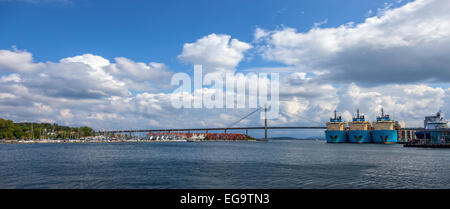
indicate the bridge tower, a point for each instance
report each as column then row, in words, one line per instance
column 265, row 123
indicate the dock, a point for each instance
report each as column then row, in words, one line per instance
column 427, row 145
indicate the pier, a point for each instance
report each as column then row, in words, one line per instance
column 427, row 145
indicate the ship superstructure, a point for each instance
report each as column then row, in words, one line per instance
column 336, row 130
column 384, row 131
column 359, row 129
column 435, row 122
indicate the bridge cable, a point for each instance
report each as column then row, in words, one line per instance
column 233, row 124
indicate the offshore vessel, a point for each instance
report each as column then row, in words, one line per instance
column 384, row 131
column 359, row 129
column 435, row 122
column 436, row 129
column 336, row 132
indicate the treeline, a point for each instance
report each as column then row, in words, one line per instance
column 11, row 130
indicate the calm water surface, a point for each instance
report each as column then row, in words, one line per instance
column 276, row 164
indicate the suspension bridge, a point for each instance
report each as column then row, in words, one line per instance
column 224, row 129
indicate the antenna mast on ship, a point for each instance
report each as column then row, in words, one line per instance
column 335, row 115
column 357, row 113
column 382, row 112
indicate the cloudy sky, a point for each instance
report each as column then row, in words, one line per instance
column 108, row 64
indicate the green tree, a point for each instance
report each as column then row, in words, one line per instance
column 18, row 132
column 11, row 130
column 86, row 131
column 6, row 128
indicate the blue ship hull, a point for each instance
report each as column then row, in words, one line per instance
column 435, row 136
column 384, row 136
column 359, row 136
column 336, row 136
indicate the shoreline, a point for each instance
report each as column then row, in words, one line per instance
column 124, row 141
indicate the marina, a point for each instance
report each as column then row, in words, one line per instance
column 199, row 99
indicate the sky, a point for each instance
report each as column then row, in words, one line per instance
column 108, row 64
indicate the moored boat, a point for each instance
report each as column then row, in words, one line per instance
column 336, row 132
column 359, row 129
column 384, row 131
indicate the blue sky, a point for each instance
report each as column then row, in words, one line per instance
column 108, row 64
column 156, row 30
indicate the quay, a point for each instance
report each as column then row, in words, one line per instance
column 427, row 145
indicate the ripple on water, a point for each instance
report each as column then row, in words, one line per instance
column 277, row 164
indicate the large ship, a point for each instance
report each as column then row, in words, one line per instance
column 359, row 129
column 435, row 122
column 384, row 130
column 436, row 130
column 336, row 132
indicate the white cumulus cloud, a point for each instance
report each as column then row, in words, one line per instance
column 17, row 61
column 402, row 45
column 216, row 52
